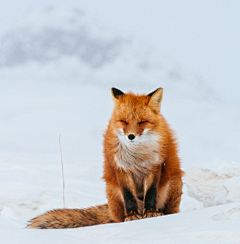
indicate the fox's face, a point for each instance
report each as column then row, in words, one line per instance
column 135, row 122
column 135, row 117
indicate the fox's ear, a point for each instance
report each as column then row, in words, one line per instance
column 155, row 99
column 116, row 93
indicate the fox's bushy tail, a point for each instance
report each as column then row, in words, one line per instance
column 72, row 218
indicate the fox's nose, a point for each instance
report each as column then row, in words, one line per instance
column 131, row 137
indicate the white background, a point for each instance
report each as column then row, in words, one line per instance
column 203, row 35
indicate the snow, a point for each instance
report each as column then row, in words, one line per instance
column 56, row 71
column 220, row 186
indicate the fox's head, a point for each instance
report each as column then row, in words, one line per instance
column 136, row 117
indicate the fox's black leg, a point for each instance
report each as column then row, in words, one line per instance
column 130, row 205
column 151, row 202
column 130, row 202
column 151, row 198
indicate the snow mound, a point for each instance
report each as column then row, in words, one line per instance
column 214, row 187
column 233, row 213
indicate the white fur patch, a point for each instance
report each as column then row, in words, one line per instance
column 138, row 154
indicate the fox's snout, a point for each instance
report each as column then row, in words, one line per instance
column 131, row 137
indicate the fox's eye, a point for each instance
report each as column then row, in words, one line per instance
column 123, row 121
column 142, row 122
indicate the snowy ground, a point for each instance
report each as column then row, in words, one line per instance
column 55, row 77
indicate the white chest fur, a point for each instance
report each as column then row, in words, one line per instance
column 139, row 154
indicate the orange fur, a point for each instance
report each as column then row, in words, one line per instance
column 72, row 218
column 141, row 167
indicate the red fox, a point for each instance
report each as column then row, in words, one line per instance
column 141, row 167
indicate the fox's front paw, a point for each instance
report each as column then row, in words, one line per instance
column 152, row 213
column 132, row 216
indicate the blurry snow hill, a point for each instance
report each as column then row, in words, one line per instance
column 49, row 35
column 68, row 45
